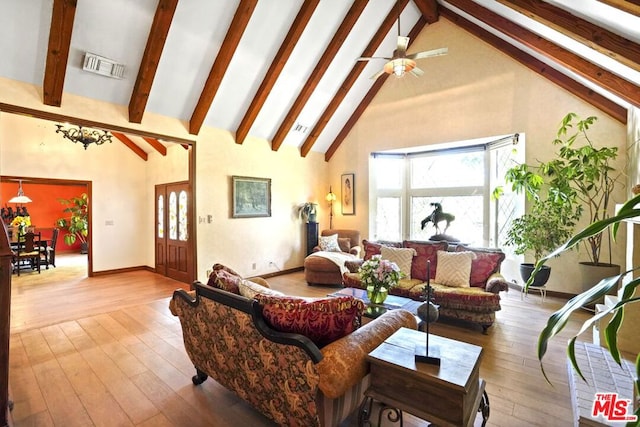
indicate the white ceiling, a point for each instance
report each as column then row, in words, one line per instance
column 118, row 29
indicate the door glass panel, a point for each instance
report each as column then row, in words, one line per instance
column 161, row 216
column 173, row 216
column 182, row 216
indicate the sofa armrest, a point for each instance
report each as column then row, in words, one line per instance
column 344, row 361
column 355, row 250
column 497, row 283
column 354, row 265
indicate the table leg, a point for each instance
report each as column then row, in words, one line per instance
column 393, row 415
column 484, row 408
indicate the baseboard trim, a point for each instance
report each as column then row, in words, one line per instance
column 124, row 270
column 562, row 295
column 280, row 272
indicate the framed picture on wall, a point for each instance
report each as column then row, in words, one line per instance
column 348, row 193
column 251, row 197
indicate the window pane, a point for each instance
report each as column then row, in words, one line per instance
column 389, row 173
column 161, row 216
column 467, row 225
column 182, row 216
column 173, row 216
column 388, row 219
column 448, row 170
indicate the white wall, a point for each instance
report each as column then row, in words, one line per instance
column 474, row 91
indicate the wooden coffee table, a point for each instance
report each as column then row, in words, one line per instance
column 447, row 395
column 375, row 310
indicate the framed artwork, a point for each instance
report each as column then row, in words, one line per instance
column 347, row 194
column 251, row 197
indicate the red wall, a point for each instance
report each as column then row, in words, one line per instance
column 45, row 208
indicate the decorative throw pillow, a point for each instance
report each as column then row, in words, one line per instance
column 249, row 289
column 454, row 268
column 329, row 243
column 373, row 248
column 344, row 243
column 223, row 279
column 486, row 263
column 426, row 251
column 323, row 320
column 401, row 256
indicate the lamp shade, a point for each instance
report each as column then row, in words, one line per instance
column 20, row 198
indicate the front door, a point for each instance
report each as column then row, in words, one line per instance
column 173, row 225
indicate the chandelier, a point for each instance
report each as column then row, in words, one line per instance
column 84, row 136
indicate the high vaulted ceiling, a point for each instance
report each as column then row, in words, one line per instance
column 285, row 70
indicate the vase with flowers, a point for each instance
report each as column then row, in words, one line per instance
column 21, row 223
column 379, row 275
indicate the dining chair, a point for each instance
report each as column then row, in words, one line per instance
column 28, row 249
column 49, row 251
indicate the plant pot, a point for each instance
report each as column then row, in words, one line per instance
column 591, row 274
column 541, row 277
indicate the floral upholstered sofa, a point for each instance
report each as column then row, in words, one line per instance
column 253, row 345
column 466, row 282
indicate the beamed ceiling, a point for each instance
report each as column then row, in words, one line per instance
column 266, row 68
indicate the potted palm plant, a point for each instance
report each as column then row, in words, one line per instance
column 582, row 178
column 77, row 222
column 558, row 320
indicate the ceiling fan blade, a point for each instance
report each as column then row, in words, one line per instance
column 368, row 58
column 378, row 74
column 403, row 42
column 429, row 53
column 416, row 72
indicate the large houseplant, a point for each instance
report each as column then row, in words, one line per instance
column 559, row 319
column 77, row 221
column 545, row 227
column 580, row 177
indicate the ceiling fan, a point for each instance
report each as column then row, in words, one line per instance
column 401, row 63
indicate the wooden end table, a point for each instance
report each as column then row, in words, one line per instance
column 447, row 395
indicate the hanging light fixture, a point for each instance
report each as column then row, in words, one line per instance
column 84, row 136
column 20, row 198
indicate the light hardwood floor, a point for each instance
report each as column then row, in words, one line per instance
column 106, row 351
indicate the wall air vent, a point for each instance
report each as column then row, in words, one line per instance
column 300, row 128
column 103, row 66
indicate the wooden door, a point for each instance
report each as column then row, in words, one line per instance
column 173, row 228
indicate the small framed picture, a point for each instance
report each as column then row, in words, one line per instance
column 251, row 197
column 348, row 193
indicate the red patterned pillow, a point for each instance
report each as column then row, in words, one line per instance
column 425, row 251
column 373, row 248
column 222, row 279
column 486, row 263
column 322, row 320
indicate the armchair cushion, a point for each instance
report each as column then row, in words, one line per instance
column 329, row 243
column 322, row 320
column 344, row 243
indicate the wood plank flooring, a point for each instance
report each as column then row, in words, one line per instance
column 106, row 351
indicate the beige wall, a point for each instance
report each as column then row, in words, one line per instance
column 474, row 91
column 243, row 242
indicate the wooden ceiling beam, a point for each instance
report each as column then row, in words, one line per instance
column 278, row 63
column 629, row 6
column 351, row 122
column 62, row 18
column 600, row 39
column 63, row 118
column 614, row 110
column 598, row 75
column 149, row 64
column 157, row 145
column 329, row 54
column 132, row 145
column 428, row 9
column 221, row 63
column 351, row 78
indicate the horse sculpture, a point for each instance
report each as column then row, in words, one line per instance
column 436, row 217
